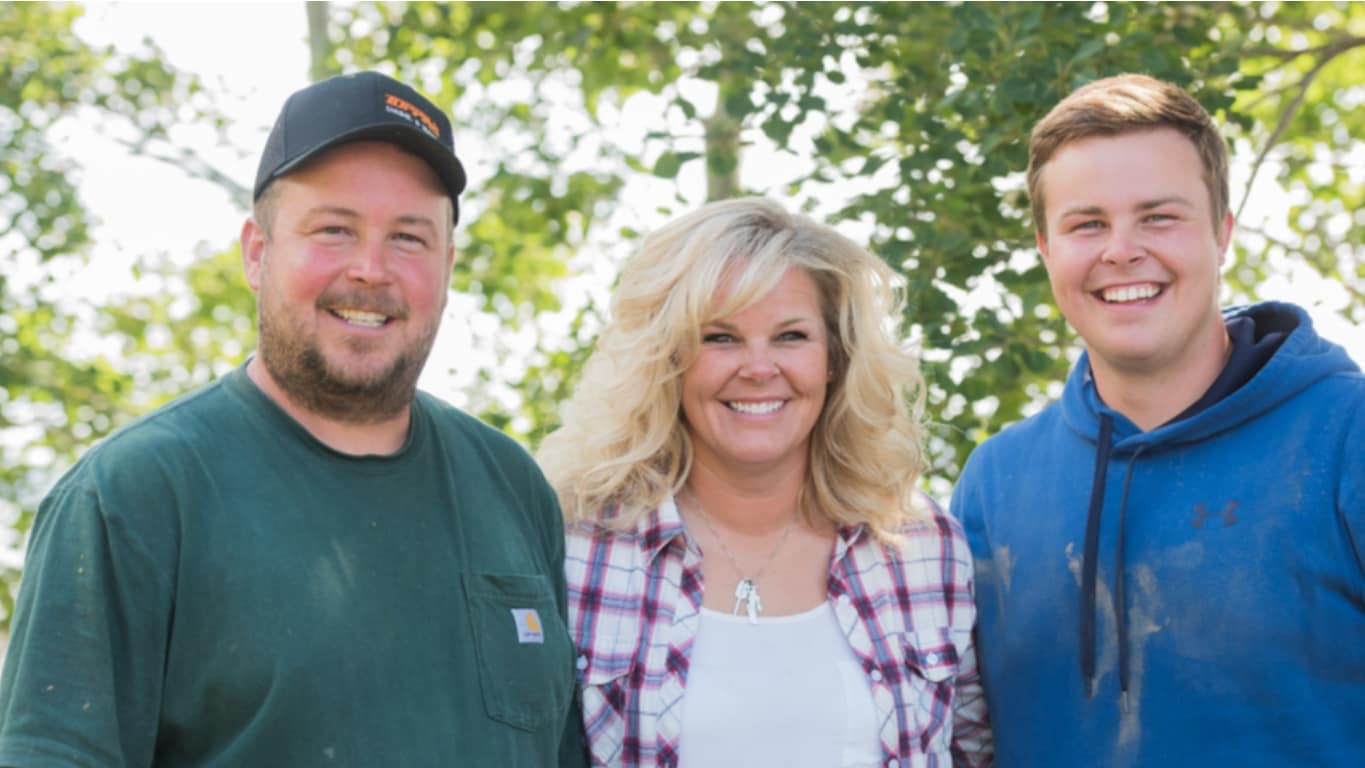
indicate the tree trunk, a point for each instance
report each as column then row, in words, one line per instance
column 318, row 44
column 722, row 144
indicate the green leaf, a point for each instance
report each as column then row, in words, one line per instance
column 669, row 163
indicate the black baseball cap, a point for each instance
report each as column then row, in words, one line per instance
column 365, row 106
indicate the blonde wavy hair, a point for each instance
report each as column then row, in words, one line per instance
column 623, row 446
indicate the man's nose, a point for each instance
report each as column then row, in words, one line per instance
column 1124, row 246
column 369, row 264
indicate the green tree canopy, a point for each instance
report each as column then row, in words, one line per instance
column 924, row 109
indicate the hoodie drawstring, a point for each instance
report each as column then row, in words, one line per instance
column 1089, row 561
column 1090, row 565
column 1120, row 600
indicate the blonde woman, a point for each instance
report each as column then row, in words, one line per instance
column 752, row 578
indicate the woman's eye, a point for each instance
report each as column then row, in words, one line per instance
column 717, row 338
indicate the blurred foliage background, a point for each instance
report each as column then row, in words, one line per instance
column 904, row 122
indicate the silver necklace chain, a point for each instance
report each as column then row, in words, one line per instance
column 746, row 591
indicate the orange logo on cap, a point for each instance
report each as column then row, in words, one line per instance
column 407, row 106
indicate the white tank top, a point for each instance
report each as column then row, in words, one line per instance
column 786, row 691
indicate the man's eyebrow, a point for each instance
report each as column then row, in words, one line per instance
column 411, row 219
column 335, row 210
column 1145, row 205
column 1084, row 210
column 417, row 220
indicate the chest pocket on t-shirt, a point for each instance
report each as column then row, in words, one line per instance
column 524, row 652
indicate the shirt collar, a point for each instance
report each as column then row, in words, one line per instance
column 847, row 536
column 660, row 528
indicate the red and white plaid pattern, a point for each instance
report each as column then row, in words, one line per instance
column 907, row 612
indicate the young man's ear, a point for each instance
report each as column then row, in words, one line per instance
column 253, row 240
column 1041, row 240
column 1225, row 237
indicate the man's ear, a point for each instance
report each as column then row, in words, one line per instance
column 1225, row 237
column 253, row 240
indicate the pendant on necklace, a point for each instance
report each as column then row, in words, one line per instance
column 746, row 594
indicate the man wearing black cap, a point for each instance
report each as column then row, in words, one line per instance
column 307, row 562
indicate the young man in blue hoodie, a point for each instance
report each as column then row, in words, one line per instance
column 1170, row 561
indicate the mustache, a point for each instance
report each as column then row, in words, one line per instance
column 377, row 302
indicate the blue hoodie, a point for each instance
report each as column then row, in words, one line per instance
column 1215, row 613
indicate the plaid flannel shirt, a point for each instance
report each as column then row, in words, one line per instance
column 635, row 603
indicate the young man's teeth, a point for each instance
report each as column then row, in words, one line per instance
column 357, row 317
column 1131, row 293
column 756, row 408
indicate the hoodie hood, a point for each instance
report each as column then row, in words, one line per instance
column 1276, row 355
column 1302, row 359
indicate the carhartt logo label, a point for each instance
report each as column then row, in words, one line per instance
column 528, row 625
column 405, row 109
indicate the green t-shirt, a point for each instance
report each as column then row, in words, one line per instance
column 212, row 586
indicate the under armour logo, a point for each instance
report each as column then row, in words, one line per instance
column 1201, row 513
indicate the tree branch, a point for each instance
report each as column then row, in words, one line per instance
column 1329, row 51
column 1356, row 293
column 1267, row 94
column 1269, row 238
column 194, row 166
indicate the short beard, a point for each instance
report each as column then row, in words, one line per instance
column 299, row 367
